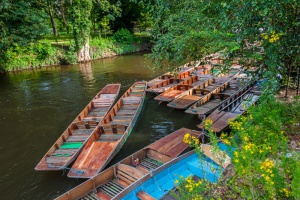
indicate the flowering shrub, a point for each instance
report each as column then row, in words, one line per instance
column 264, row 166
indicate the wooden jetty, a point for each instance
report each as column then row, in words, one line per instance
column 65, row 150
column 110, row 134
column 112, row 181
column 232, row 107
column 186, row 75
column 212, row 100
column 162, row 180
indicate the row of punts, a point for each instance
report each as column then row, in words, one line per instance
column 97, row 134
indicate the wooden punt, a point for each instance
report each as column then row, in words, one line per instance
column 180, row 89
column 195, row 94
column 232, row 107
column 208, row 97
column 65, row 150
column 118, row 177
column 186, row 75
column 162, row 180
column 168, row 75
column 110, row 134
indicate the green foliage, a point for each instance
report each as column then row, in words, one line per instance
column 34, row 55
column 21, row 22
column 80, row 12
column 123, row 36
column 273, row 169
column 71, row 55
column 263, row 34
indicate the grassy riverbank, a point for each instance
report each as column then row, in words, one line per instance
column 265, row 162
column 60, row 50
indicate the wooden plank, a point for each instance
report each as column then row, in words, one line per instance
column 110, row 137
column 220, row 157
column 103, row 196
column 222, row 123
column 131, row 171
column 57, row 159
column 144, row 196
column 77, row 138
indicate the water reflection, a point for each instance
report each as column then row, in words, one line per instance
column 37, row 106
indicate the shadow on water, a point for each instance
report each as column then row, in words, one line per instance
column 37, row 106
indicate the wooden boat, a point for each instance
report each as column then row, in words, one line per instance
column 110, row 134
column 196, row 93
column 65, row 150
column 182, row 88
column 186, row 75
column 168, row 75
column 157, row 184
column 118, row 177
column 213, row 98
column 232, row 107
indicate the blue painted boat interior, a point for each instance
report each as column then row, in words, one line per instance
column 160, row 184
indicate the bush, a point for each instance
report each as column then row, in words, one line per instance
column 123, row 36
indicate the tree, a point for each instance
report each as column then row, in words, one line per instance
column 263, row 34
column 80, row 11
column 21, row 22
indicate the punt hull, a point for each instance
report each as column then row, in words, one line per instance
column 161, row 151
column 110, row 135
column 68, row 146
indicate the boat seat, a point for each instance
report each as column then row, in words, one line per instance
column 110, row 137
column 144, row 196
column 114, row 129
column 128, row 173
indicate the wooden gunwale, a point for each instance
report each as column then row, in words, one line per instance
column 78, row 132
column 209, row 96
column 168, row 165
column 92, row 186
column 186, row 75
column 98, row 153
column 231, row 108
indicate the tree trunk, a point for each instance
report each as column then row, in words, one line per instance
column 62, row 10
column 52, row 22
column 84, row 53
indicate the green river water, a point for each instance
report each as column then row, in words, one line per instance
column 37, row 106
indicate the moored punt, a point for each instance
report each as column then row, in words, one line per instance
column 110, row 134
column 162, row 179
column 186, row 75
column 69, row 144
column 213, row 98
column 232, row 107
column 118, row 177
column 160, row 79
column 182, row 88
column 199, row 92
column 168, row 75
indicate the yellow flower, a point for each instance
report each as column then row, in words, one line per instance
column 236, row 154
column 186, row 138
column 246, row 138
column 208, row 122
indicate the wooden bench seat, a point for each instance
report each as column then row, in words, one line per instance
column 110, row 137
column 77, row 138
column 144, row 196
column 57, row 159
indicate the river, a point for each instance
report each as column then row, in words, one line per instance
column 37, row 106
